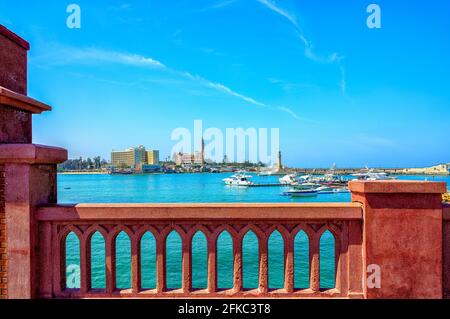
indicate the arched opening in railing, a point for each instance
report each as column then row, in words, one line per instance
column 173, row 260
column 327, row 261
column 199, row 261
column 225, row 260
column 72, row 261
column 276, row 260
column 123, row 261
column 98, row 261
column 250, row 260
column 301, row 260
column 148, row 261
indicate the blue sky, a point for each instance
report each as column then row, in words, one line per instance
column 339, row 91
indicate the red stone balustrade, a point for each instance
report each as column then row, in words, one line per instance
column 344, row 221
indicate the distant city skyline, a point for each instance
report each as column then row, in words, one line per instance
column 338, row 91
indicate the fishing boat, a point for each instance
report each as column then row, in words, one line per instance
column 239, row 179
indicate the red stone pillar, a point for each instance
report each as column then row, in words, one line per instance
column 27, row 172
column 402, row 235
column 446, row 249
column 3, row 245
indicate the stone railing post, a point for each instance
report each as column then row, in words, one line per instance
column 27, row 173
column 402, row 237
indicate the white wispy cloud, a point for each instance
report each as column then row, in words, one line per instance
column 222, row 88
column 272, row 6
column 63, row 55
column 309, row 47
column 309, row 51
column 58, row 55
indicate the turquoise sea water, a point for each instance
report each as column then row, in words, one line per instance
column 192, row 188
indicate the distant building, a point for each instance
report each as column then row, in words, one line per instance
column 441, row 169
column 134, row 157
column 153, row 157
column 198, row 158
column 189, row 159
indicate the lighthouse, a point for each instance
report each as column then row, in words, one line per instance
column 279, row 165
column 202, row 152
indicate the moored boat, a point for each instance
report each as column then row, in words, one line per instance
column 301, row 192
column 371, row 175
column 239, row 179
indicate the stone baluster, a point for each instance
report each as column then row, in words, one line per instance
column 289, row 264
column 135, row 265
column 237, row 263
column 85, row 264
column 110, row 264
column 161, row 263
column 314, row 263
column 263, row 264
column 212, row 263
column 186, row 263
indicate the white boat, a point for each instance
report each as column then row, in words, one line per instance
column 301, row 193
column 331, row 190
column 324, row 189
column 304, row 179
column 240, row 179
column 307, row 186
column 293, row 179
column 290, row 179
column 267, row 172
column 371, row 175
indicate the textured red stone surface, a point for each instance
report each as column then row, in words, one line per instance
column 15, row 125
column 14, row 38
column 31, row 154
column 22, row 102
column 27, row 172
column 3, row 245
column 13, row 63
column 398, row 187
column 403, row 235
column 446, row 248
column 248, row 211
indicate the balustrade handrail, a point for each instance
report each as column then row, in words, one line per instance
column 202, row 211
